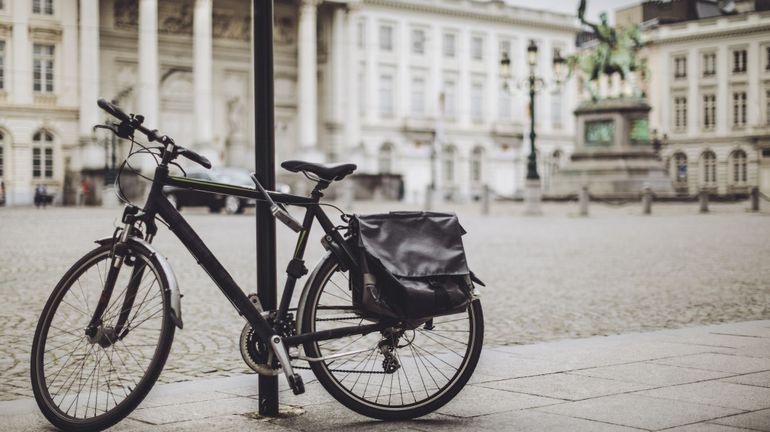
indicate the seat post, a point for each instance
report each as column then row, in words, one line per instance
column 321, row 185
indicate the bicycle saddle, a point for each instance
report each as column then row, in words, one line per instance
column 328, row 172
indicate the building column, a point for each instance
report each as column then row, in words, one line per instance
column 148, row 62
column 202, row 79
column 338, row 79
column 307, row 67
column 91, row 155
column 148, row 94
column 21, row 90
column 353, row 113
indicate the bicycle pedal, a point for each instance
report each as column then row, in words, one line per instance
column 296, row 384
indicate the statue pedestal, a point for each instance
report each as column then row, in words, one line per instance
column 613, row 153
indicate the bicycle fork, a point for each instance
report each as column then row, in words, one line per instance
column 96, row 331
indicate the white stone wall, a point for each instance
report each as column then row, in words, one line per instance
column 116, row 72
column 692, row 40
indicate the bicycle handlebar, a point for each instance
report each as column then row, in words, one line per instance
column 113, row 110
column 134, row 122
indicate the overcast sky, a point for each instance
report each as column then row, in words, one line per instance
column 595, row 7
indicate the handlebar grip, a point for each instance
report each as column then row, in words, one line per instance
column 113, row 110
column 195, row 157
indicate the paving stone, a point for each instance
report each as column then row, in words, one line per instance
column 757, row 420
column 706, row 427
column 521, row 421
column 716, row 393
column 652, row 374
column 566, row 386
column 761, row 379
column 640, row 411
column 194, row 410
column 719, row 362
column 618, row 296
column 474, row 401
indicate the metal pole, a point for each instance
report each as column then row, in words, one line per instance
column 703, row 199
column 646, row 200
column 583, row 199
column 264, row 164
column 532, row 160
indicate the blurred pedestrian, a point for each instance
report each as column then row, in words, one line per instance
column 83, row 192
column 41, row 196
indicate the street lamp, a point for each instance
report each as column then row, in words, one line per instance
column 533, row 83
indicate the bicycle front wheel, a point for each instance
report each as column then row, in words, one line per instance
column 393, row 376
column 84, row 382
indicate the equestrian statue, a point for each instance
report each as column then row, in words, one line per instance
column 615, row 52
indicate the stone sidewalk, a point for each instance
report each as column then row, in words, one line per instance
column 713, row 378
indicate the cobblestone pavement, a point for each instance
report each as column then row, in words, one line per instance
column 556, row 276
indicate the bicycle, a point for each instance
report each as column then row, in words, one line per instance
column 106, row 330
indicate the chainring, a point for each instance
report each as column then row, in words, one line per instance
column 256, row 355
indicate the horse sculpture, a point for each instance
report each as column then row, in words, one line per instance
column 616, row 52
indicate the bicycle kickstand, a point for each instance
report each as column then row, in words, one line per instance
column 295, row 380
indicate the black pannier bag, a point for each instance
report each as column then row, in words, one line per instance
column 412, row 265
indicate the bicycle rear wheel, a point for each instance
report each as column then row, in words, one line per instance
column 84, row 382
column 390, row 376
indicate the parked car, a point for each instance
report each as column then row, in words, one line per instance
column 181, row 197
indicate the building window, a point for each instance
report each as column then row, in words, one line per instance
column 2, row 64
column 767, row 106
column 418, row 41
column 449, row 97
column 361, row 90
column 386, row 37
column 418, row 96
column 740, row 174
column 477, row 102
column 42, row 155
column 361, row 34
column 709, row 64
column 680, row 67
column 556, row 114
column 504, row 106
column 505, row 49
column 680, row 112
column 680, row 164
column 477, row 48
column 739, row 109
column 709, row 168
column 739, row 61
column 709, row 111
column 43, row 7
column 767, row 58
column 477, row 160
column 386, row 95
column 42, row 68
column 450, row 42
column 385, row 158
column 2, row 149
column 448, row 159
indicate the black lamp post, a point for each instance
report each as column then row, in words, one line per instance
column 533, row 83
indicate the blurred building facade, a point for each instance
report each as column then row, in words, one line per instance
column 378, row 82
column 709, row 89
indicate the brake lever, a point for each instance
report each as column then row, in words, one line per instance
column 122, row 130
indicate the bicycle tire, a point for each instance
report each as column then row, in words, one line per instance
column 359, row 403
column 57, row 415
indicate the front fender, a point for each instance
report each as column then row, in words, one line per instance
column 175, row 298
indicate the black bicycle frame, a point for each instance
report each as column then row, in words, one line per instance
column 157, row 204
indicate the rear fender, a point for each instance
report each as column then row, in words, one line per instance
column 175, row 298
